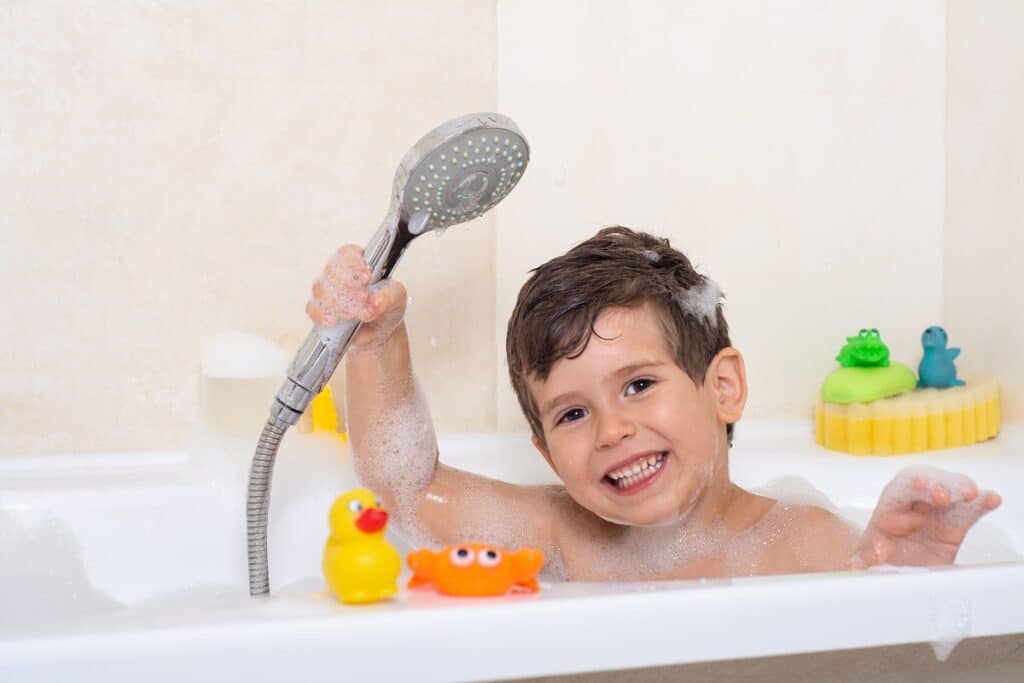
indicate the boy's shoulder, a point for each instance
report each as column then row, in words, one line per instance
column 820, row 539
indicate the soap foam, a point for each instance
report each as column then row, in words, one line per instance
column 701, row 301
column 342, row 302
column 42, row 575
column 794, row 490
column 901, row 490
column 399, row 452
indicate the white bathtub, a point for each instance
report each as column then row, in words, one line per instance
column 131, row 567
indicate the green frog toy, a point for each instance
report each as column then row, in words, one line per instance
column 866, row 374
column 866, row 350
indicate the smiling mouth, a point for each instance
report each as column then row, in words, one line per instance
column 637, row 474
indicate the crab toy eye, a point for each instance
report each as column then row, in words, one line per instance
column 461, row 557
column 379, row 502
column 489, row 558
column 355, row 506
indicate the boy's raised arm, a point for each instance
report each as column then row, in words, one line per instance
column 393, row 444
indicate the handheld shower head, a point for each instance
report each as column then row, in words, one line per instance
column 455, row 173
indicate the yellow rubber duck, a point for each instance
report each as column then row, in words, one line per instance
column 359, row 565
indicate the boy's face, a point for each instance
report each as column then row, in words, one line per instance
column 633, row 438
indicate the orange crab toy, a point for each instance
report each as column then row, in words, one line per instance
column 476, row 569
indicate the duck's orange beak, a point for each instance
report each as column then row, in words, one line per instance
column 371, row 519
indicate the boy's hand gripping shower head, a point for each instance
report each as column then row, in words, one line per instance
column 454, row 173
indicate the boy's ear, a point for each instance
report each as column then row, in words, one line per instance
column 727, row 377
column 542, row 449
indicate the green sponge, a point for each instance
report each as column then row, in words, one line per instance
column 863, row 385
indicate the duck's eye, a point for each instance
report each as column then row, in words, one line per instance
column 461, row 557
column 489, row 558
column 638, row 385
column 355, row 506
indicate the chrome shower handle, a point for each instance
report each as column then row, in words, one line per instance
column 319, row 355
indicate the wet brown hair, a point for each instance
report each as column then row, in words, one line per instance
column 557, row 307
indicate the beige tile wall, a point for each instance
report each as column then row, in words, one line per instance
column 173, row 170
column 793, row 149
column 985, row 191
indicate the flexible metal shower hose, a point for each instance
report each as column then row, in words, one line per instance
column 258, row 504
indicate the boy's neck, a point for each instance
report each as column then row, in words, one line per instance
column 723, row 507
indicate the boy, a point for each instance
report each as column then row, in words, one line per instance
column 620, row 357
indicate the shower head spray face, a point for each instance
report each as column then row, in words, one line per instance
column 460, row 170
column 455, row 173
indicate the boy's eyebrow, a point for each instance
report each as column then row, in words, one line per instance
column 633, row 367
column 625, row 370
column 548, row 405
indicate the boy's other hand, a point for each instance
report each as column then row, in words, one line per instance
column 922, row 518
column 343, row 292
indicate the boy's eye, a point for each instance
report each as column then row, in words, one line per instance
column 571, row 415
column 638, row 385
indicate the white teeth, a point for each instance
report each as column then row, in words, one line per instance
column 627, row 476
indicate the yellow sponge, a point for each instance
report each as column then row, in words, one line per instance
column 919, row 420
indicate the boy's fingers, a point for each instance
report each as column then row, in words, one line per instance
column 350, row 300
column 930, row 485
column 906, row 523
column 351, row 257
column 349, row 253
column 346, row 267
column 313, row 312
column 969, row 513
column 940, row 495
column 386, row 295
column 320, row 315
column 347, row 275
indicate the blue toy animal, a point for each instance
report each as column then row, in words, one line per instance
column 937, row 368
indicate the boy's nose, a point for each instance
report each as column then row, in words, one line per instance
column 612, row 428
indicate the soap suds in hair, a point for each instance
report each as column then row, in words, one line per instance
column 701, row 301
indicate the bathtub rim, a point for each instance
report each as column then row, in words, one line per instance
column 766, row 618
